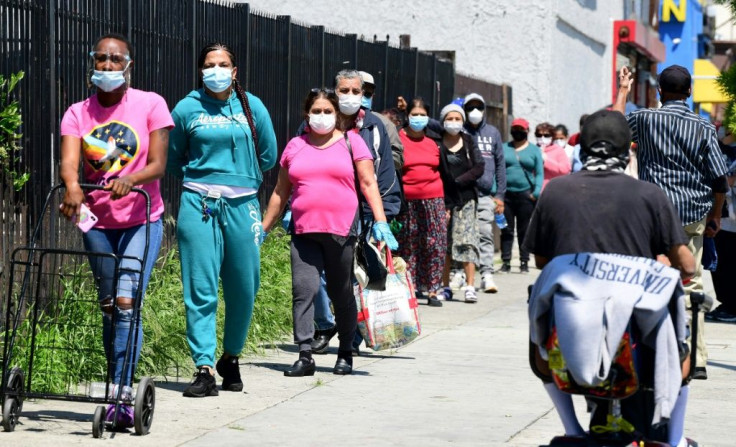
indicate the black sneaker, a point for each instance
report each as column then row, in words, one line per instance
column 433, row 301
column 204, row 385
column 229, row 370
column 505, row 268
column 524, row 267
column 700, row 373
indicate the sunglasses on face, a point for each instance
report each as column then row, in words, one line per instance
column 542, row 135
column 316, row 90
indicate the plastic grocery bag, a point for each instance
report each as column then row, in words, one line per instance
column 389, row 318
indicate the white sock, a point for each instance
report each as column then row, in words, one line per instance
column 676, row 425
column 565, row 409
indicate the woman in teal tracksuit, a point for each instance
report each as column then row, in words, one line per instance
column 222, row 142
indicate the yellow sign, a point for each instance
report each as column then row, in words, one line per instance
column 669, row 9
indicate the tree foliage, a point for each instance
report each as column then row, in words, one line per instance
column 10, row 122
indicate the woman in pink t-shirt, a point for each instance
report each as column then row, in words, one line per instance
column 317, row 171
column 556, row 161
column 120, row 134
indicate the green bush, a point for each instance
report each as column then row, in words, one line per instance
column 68, row 340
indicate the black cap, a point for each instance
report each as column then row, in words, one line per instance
column 675, row 79
column 605, row 134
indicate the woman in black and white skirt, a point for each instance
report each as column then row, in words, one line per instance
column 461, row 165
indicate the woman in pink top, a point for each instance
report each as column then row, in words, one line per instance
column 319, row 174
column 424, row 233
column 556, row 161
column 121, row 136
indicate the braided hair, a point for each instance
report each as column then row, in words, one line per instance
column 215, row 46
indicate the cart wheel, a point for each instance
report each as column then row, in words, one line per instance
column 145, row 403
column 15, row 386
column 98, row 422
column 10, row 414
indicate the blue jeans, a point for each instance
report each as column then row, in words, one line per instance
column 129, row 242
column 323, row 317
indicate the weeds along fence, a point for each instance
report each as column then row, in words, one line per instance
column 278, row 60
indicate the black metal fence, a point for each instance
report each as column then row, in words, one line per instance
column 278, row 61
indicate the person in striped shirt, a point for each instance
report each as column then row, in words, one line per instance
column 678, row 151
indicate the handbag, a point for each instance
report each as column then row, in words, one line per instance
column 388, row 319
column 368, row 264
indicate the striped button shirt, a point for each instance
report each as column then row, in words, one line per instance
column 678, row 151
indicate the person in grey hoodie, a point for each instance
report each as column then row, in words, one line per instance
column 491, row 186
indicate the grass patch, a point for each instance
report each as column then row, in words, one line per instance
column 68, row 336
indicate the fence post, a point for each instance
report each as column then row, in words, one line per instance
column 385, row 75
column 130, row 19
column 247, row 46
column 435, row 86
column 286, row 21
column 321, row 30
column 194, row 39
column 416, row 71
column 52, row 101
column 355, row 50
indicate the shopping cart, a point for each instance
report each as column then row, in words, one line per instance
column 52, row 330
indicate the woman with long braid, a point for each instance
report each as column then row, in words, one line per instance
column 222, row 143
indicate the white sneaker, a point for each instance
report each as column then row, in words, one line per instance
column 487, row 284
column 458, row 281
column 470, row 296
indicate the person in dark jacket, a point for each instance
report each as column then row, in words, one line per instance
column 492, row 184
column 461, row 165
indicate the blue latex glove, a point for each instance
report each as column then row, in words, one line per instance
column 262, row 237
column 286, row 220
column 382, row 232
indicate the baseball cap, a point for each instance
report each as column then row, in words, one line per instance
column 474, row 97
column 605, row 134
column 675, row 79
column 521, row 122
column 367, row 77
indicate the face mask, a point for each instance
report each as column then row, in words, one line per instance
column 518, row 135
column 561, row 142
column 322, row 124
column 350, row 104
column 366, row 103
column 418, row 123
column 544, row 141
column 475, row 116
column 453, row 127
column 108, row 81
column 217, row 79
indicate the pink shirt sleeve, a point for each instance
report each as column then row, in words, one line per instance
column 70, row 123
column 159, row 117
column 360, row 149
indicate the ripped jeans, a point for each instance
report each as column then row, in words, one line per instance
column 129, row 242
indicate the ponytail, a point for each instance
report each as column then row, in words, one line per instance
column 248, row 114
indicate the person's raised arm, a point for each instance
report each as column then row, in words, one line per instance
column 624, row 87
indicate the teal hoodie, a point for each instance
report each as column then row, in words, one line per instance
column 212, row 142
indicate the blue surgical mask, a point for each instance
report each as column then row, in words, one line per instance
column 108, row 81
column 217, row 79
column 366, row 103
column 418, row 123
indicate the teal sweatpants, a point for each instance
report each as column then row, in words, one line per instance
column 224, row 246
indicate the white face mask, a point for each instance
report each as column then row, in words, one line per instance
column 561, row 142
column 453, row 127
column 350, row 104
column 544, row 141
column 322, row 124
column 475, row 116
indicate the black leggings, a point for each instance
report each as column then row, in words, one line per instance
column 518, row 208
column 310, row 254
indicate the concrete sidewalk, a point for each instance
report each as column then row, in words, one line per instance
column 465, row 381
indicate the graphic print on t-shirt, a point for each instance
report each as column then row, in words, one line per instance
column 110, row 146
